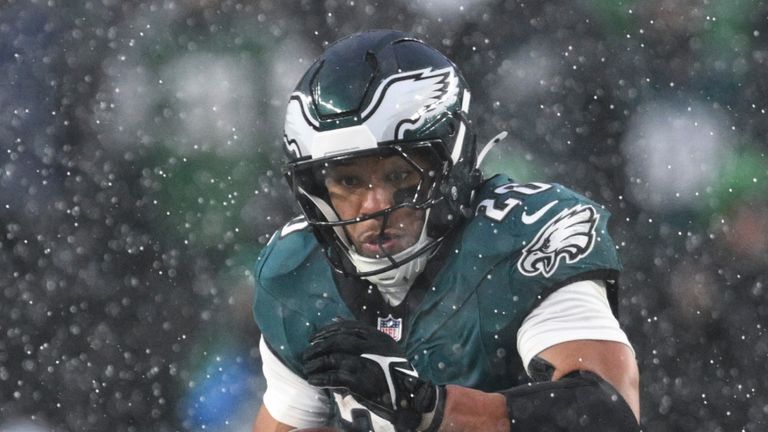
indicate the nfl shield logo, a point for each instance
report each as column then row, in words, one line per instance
column 391, row 326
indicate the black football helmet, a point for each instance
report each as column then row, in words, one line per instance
column 382, row 93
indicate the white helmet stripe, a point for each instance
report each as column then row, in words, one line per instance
column 459, row 145
column 299, row 126
column 345, row 140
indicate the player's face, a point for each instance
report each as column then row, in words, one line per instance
column 367, row 185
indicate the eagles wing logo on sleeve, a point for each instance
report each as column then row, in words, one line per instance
column 570, row 235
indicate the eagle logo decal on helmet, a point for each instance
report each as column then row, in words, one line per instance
column 405, row 101
column 401, row 103
column 570, row 236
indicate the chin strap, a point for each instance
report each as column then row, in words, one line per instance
column 488, row 146
column 476, row 175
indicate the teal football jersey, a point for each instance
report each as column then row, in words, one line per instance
column 459, row 322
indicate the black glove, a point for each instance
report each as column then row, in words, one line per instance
column 361, row 362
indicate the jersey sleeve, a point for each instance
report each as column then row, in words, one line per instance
column 552, row 236
column 293, row 293
column 574, row 240
column 279, row 294
column 525, row 243
column 572, row 244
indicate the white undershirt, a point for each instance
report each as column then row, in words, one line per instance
column 289, row 398
column 574, row 312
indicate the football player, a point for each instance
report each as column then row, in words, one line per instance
column 415, row 294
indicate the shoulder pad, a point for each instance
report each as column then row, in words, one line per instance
column 287, row 249
column 548, row 225
column 294, row 293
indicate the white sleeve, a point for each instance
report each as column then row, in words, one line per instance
column 574, row 312
column 290, row 399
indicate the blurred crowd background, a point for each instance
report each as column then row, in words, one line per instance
column 140, row 174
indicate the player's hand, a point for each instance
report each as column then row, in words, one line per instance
column 366, row 365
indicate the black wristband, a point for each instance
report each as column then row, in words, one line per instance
column 578, row 402
column 438, row 412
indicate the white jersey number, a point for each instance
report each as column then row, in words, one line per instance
column 498, row 211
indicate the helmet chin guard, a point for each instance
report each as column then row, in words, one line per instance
column 382, row 94
column 405, row 272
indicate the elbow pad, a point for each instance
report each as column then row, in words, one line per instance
column 580, row 401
